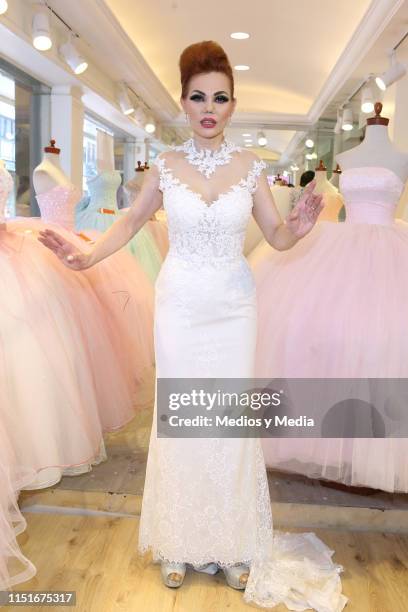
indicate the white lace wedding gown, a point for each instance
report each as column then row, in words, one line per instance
column 207, row 500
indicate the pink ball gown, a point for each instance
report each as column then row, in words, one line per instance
column 14, row 566
column 125, row 298
column 334, row 306
column 49, row 392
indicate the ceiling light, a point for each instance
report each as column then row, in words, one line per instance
column 247, row 144
column 247, row 135
column 347, row 123
column 262, row 140
column 72, row 57
column 3, row 6
column 239, row 35
column 150, row 126
column 339, row 123
column 309, row 143
column 367, row 102
column 241, row 67
column 124, row 100
column 396, row 71
column 294, row 168
column 309, row 155
column 41, row 31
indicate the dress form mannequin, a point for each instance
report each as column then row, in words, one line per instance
column 48, row 173
column 331, row 197
column 335, row 179
column 133, row 186
column 376, row 150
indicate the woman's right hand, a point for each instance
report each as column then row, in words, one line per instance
column 67, row 252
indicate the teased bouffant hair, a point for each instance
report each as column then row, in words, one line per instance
column 201, row 58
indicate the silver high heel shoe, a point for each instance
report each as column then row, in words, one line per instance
column 173, row 573
column 237, row 575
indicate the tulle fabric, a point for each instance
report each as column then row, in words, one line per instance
column 117, row 298
column 339, row 299
column 159, row 231
column 51, row 393
column 15, row 568
column 100, row 211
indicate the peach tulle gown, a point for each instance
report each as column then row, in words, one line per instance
column 334, row 306
column 125, row 297
column 49, row 392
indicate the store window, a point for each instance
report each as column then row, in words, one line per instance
column 90, row 168
column 24, row 129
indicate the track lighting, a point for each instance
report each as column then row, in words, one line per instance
column 262, row 140
column 347, row 123
column 41, row 30
column 124, row 100
column 309, row 143
column 367, row 101
column 395, row 72
column 72, row 57
column 3, row 6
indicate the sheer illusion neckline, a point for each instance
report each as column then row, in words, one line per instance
column 241, row 184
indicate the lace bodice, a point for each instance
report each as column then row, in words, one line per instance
column 203, row 232
column 102, row 189
column 57, row 205
column 6, row 187
column 371, row 194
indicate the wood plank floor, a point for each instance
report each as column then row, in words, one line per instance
column 96, row 557
column 82, row 536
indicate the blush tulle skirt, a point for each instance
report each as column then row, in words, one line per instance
column 334, row 306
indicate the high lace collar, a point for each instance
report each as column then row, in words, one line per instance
column 207, row 160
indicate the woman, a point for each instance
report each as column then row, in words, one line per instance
column 206, row 501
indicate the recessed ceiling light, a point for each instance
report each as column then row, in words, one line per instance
column 241, row 67
column 240, row 35
column 247, row 135
column 248, row 145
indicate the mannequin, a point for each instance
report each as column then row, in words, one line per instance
column 48, row 173
column 348, row 281
column 376, row 150
column 133, row 186
column 156, row 227
column 331, row 197
column 335, row 179
column 121, row 275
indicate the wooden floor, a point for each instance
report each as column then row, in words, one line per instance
column 82, row 536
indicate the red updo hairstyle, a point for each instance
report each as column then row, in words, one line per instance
column 201, row 58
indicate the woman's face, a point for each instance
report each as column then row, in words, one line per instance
column 208, row 103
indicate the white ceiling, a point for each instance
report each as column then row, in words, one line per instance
column 293, row 47
column 303, row 56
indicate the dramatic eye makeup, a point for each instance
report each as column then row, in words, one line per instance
column 220, row 97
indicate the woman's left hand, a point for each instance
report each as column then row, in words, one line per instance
column 304, row 215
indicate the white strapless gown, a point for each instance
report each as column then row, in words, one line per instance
column 207, row 500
